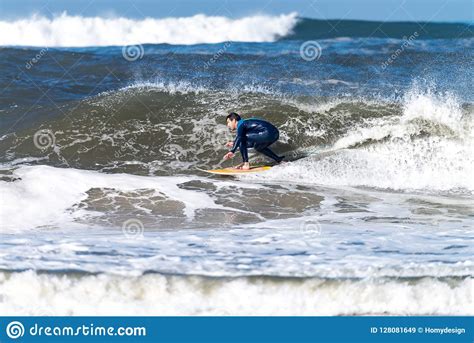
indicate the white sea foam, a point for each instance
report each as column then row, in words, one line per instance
column 29, row 293
column 396, row 152
column 43, row 195
column 76, row 31
column 183, row 87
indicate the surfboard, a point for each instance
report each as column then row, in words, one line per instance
column 234, row 171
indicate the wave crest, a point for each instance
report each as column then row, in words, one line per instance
column 76, row 31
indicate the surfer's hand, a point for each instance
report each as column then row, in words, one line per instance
column 230, row 154
column 229, row 144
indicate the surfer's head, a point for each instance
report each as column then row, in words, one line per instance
column 232, row 120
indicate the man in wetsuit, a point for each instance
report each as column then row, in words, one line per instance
column 251, row 133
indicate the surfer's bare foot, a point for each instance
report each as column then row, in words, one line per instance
column 245, row 166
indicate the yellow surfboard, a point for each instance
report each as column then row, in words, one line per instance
column 234, row 171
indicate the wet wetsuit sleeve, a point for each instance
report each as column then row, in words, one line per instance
column 240, row 142
column 237, row 139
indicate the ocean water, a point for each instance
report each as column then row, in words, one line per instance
column 104, row 209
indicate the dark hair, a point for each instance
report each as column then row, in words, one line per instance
column 233, row 116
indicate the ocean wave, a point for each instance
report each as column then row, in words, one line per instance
column 29, row 293
column 76, row 31
column 422, row 141
column 430, row 146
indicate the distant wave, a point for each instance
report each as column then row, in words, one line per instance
column 77, row 31
column 321, row 29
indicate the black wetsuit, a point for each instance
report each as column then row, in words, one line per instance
column 258, row 134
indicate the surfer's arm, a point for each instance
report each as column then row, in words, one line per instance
column 241, row 143
column 239, row 138
column 236, row 144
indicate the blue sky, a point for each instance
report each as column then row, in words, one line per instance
column 391, row 10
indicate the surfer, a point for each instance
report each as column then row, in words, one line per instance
column 251, row 133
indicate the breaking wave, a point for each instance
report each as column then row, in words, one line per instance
column 429, row 146
column 155, row 294
column 425, row 140
column 76, row 31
